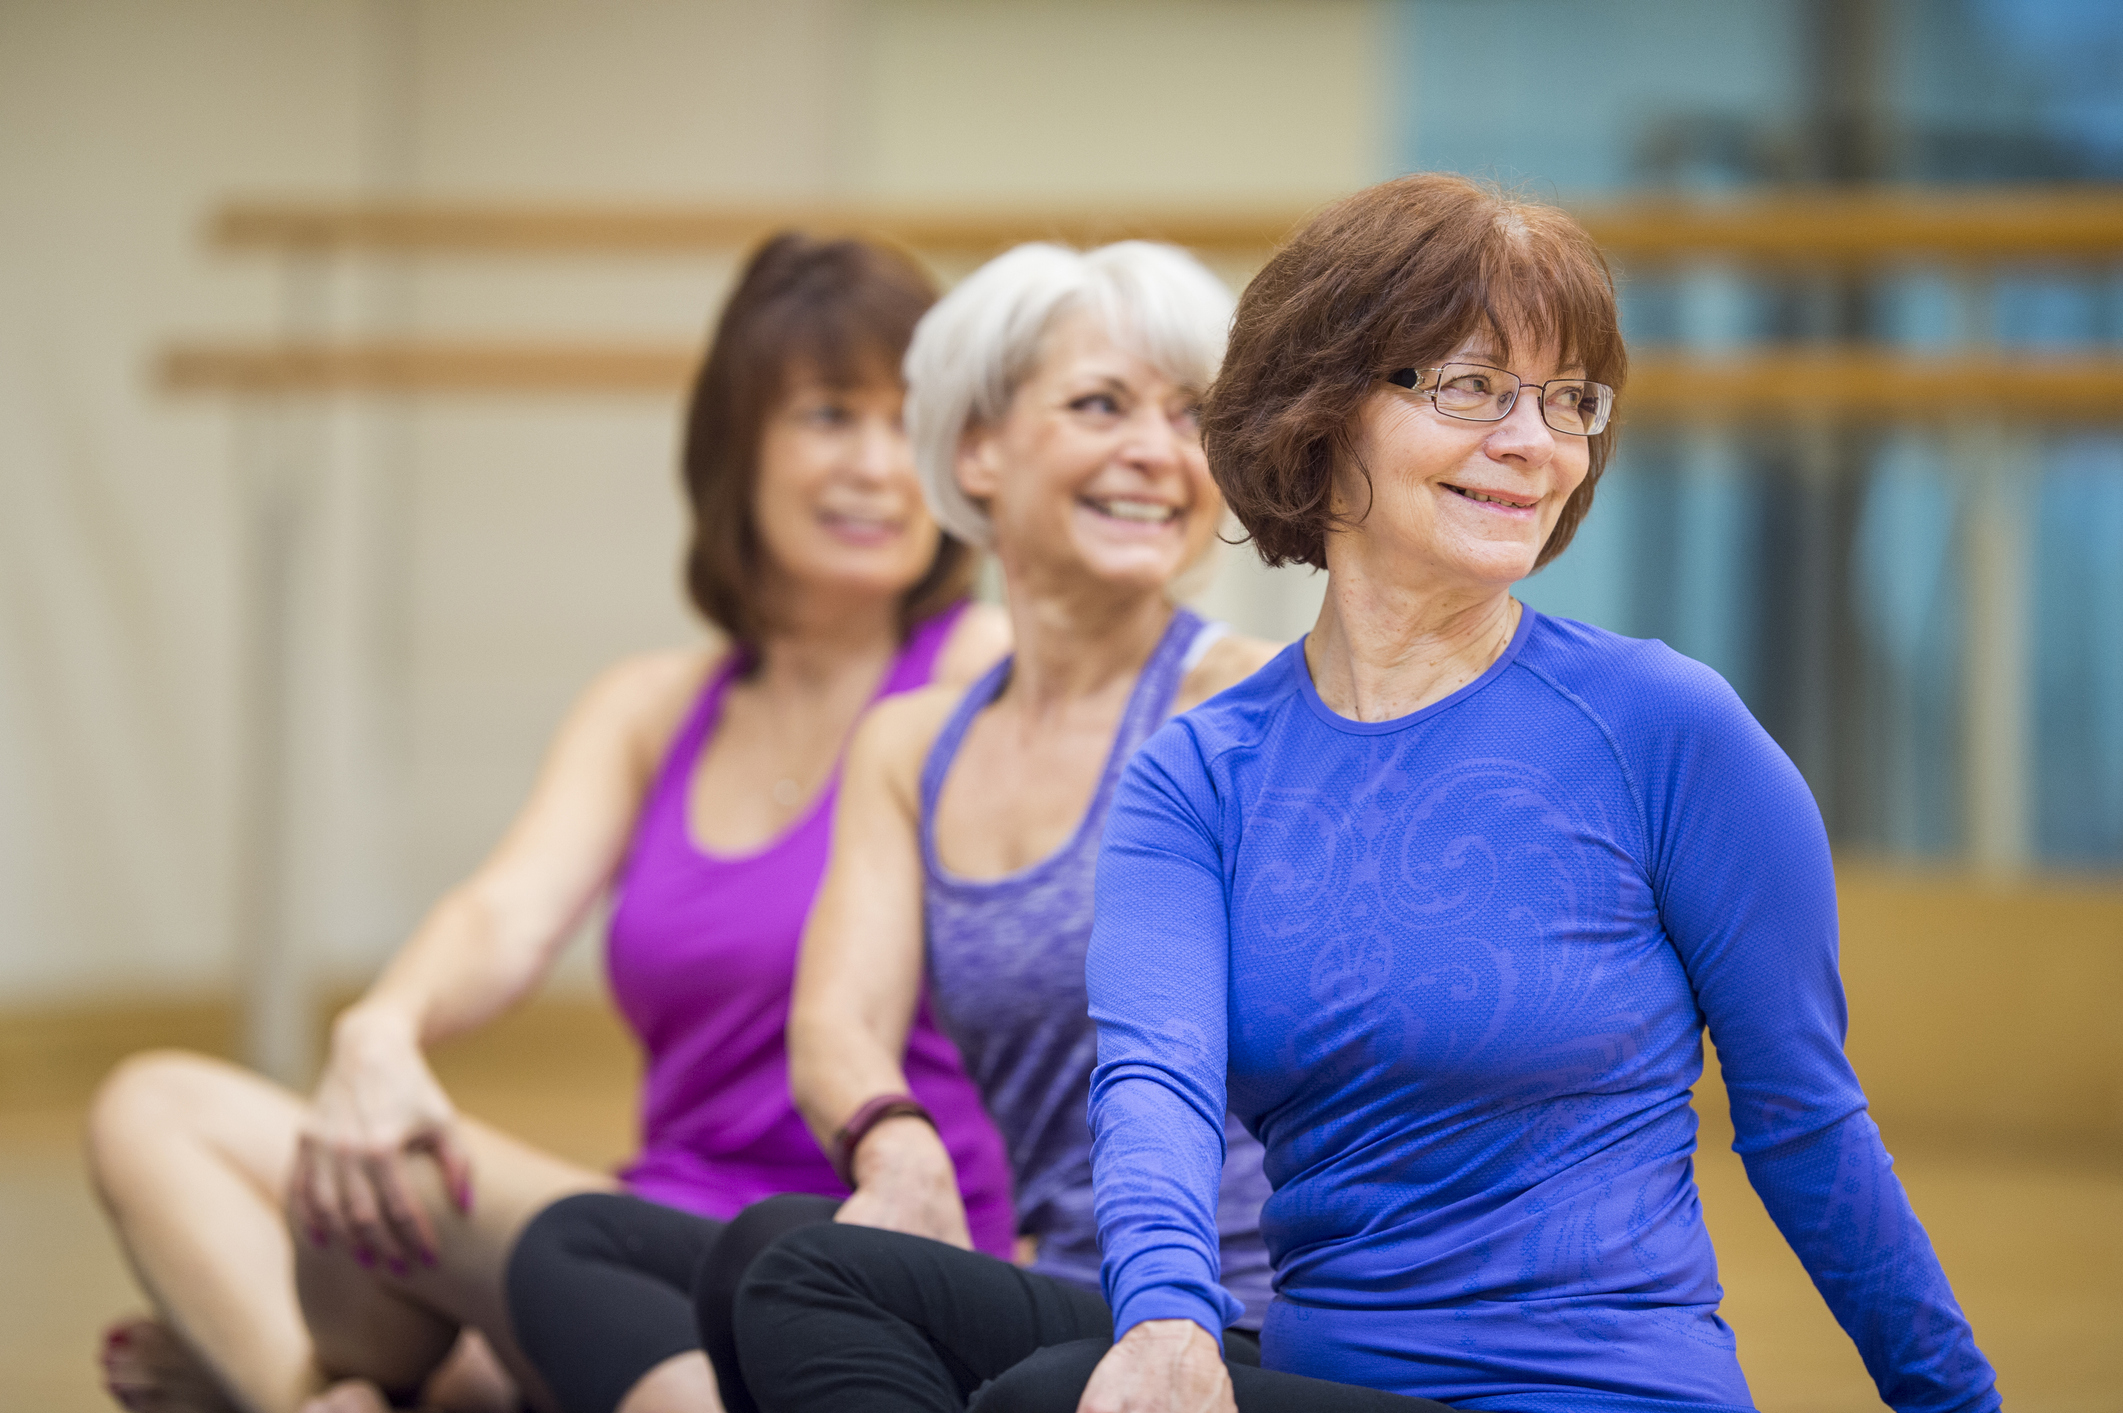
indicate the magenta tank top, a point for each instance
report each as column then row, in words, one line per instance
column 702, row 954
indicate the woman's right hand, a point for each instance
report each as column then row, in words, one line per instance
column 1161, row 1366
column 377, row 1105
column 905, row 1181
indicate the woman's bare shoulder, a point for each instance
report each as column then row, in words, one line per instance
column 979, row 638
column 894, row 737
column 1229, row 661
column 906, row 723
column 642, row 698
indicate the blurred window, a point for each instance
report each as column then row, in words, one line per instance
column 1826, row 570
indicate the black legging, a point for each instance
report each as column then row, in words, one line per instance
column 604, row 1287
column 836, row 1317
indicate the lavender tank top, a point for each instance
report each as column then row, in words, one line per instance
column 702, row 955
column 1006, row 974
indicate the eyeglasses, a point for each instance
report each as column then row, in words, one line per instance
column 1475, row 392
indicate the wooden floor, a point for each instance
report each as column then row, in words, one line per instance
column 560, row 1075
column 2033, row 1249
column 2034, row 1245
column 1982, row 1023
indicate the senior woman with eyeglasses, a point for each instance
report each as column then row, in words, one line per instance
column 1441, row 900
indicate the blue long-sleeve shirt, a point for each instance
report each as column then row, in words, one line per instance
column 1453, row 971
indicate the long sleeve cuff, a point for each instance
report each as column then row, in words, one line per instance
column 1160, row 1286
column 1172, row 1303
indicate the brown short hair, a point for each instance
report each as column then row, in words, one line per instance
column 1396, row 276
column 842, row 311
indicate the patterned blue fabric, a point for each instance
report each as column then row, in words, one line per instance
column 1453, row 971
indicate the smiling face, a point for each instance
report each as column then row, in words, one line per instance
column 1097, row 466
column 1453, row 504
column 837, row 504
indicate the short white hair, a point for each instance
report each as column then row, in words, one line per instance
column 980, row 342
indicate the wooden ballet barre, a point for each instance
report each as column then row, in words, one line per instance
column 1782, row 227
column 661, row 370
column 1873, row 385
column 479, row 229
column 1866, row 227
column 1857, row 384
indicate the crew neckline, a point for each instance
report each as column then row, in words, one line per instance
column 1320, row 709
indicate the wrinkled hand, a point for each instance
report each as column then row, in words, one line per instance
column 377, row 1105
column 904, row 1181
column 1161, row 1366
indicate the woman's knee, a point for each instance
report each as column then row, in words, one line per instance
column 763, row 1223
column 150, row 1098
column 599, row 1231
column 142, row 1093
column 1050, row 1381
column 750, row 1233
column 584, row 1227
column 807, row 1260
column 578, row 1226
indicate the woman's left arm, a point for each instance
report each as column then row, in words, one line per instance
column 1746, row 889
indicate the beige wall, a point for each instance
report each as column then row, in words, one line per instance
column 1218, row 99
column 116, row 641
column 467, row 563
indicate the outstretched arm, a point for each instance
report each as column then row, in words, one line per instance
column 858, row 979
column 481, row 949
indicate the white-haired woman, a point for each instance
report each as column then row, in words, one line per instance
column 1053, row 400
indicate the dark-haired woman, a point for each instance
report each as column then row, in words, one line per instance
column 339, row 1246
column 1441, row 901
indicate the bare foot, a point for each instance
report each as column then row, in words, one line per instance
column 149, row 1370
column 349, row 1396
